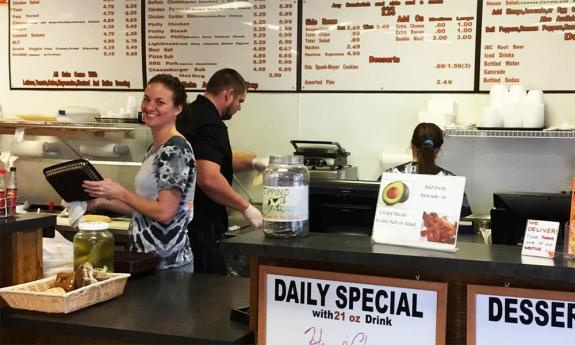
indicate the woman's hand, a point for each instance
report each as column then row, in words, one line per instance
column 107, row 189
column 95, row 204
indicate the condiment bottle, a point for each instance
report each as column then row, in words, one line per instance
column 12, row 192
column 94, row 243
column 285, row 197
column 3, row 203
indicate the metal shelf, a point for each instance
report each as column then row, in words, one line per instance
column 70, row 129
column 504, row 133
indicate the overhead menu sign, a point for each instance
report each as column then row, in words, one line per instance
column 531, row 43
column 388, row 45
column 69, row 44
column 497, row 315
column 418, row 210
column 192, row 39
column 299, row 306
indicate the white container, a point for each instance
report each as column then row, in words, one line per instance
column 491, row 117
column 498, row 95
column 533, row 115
column 535, row 96
column 512, row 117
column 517, row 93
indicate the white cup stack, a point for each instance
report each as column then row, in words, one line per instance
column 514, row 108
column 492, row 114
column 534, row 110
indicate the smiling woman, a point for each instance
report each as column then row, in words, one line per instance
column 161, row 208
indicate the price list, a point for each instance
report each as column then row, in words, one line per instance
column 65, row 44
column 413, row 45
column 193, row 39
column 529, row 44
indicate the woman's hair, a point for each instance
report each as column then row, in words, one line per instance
column 426, row 138
column 173, row 84
column 224, row 79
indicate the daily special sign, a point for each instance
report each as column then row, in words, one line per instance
column 499, row 315
column 419, row 210
column 299, row 306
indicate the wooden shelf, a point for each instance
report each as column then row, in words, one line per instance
column 60, row 129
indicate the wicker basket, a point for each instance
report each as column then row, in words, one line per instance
column 29, row 296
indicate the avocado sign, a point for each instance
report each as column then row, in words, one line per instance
column 395, row 192
column 418, row 210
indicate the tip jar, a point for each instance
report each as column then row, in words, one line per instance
column 285, row 197
column 94, row 243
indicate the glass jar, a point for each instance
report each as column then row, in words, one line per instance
column 285, row 199
column 93, row 243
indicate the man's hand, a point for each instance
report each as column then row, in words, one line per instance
column 254, row 216
column 260, row 164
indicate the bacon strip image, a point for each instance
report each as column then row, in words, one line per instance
column 438, row 229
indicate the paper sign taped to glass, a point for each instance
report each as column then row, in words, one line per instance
column 419, row 210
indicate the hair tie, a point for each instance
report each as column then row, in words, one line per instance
column 428, row 142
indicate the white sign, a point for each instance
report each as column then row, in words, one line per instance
column 419, row 210
column 70, row 44
column 193, row 39
column 388, row 45
column 540, row 238
column 336, row 308
column 519, row 316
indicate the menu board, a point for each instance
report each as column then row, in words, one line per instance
column 63, row 44
column 529, row 44
column 193, row 39
column 388, row 45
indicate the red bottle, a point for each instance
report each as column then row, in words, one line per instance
column 12, row 192
column 3, row 203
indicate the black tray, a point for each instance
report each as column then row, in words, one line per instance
column 135, row 263
column 66, row 178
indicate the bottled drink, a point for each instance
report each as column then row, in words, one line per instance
column 285, row 199
column 3, row 203
column 93, row 243
column 12, row 192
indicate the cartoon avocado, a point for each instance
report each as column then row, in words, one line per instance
column 395, row 192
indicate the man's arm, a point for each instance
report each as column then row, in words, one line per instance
column 242, row 160
column 215, row 185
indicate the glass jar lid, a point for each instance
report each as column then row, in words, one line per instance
column 93, row 226
column 286, row 159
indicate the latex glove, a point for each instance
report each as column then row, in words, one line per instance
column 76, row 210
column 254, row 216
column 260, row 164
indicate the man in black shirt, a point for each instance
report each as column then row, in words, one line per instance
column 202, row 123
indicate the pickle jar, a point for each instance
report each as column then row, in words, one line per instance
column 285, row 197
column 94, row 243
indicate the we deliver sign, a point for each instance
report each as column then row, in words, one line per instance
column 498, row 315
column 299, row 306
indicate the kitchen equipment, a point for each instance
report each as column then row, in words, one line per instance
column 325, row 159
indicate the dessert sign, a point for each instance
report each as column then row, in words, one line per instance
column 570, row 228
column 298, row 306
column 418, row 210
column 520, row 316
column 540, row 238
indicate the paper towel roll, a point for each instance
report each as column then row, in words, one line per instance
column 104, row 150
column 389, row 160
column 36, row 149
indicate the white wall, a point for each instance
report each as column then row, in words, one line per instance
column 365, row 124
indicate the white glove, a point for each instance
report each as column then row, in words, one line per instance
column 260, row 164
column 76, row 210
column 254, row 216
